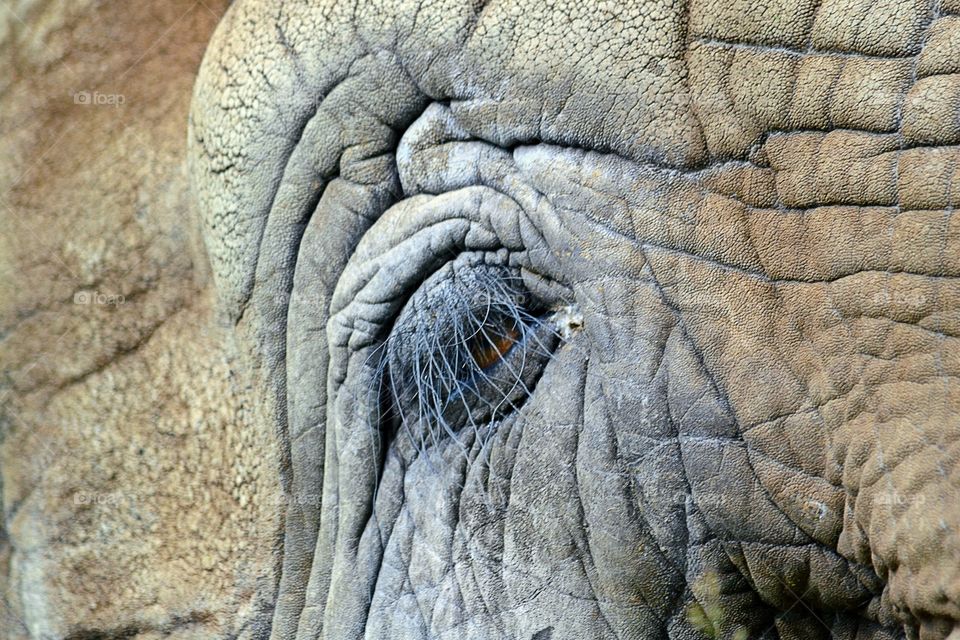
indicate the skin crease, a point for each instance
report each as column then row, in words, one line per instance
column 748, row 430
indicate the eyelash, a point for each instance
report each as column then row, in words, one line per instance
column 471, row 365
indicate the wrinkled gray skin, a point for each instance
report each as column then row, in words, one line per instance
column 753, row 432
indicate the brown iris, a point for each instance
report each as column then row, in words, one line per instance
column 490, row 344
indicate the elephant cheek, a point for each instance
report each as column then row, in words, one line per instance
column 535, row 528
column 577, row 512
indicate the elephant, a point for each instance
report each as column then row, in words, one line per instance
column 528, row 320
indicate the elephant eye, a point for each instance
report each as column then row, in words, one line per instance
column 466, row 351
column 493, row 341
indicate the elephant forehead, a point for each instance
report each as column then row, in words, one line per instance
column 677, row 85
column 609, row 78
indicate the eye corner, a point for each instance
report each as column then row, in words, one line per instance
column 568, row 320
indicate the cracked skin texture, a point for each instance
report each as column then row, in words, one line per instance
column 755, row 433
column 130, row 465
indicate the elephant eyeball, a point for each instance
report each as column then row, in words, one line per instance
column 492, row 343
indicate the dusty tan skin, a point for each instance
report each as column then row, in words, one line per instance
column 790, row 170
column 129, row 461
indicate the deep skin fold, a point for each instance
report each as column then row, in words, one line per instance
column 656, row 296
